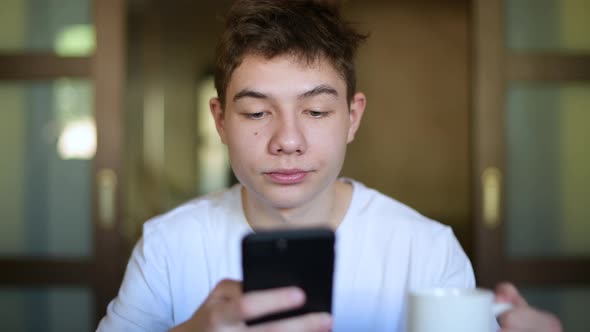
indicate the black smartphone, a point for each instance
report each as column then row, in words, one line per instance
column 302, row 258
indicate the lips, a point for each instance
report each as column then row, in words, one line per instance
column 287, row 176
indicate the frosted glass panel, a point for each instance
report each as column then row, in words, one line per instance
column 548, row 170
column 548, row 25
column 60, row 26
column 569, row 304
column 48, row 310
column 46, row 155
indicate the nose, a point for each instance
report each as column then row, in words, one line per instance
column 288, row 137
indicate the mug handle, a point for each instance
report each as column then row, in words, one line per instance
column 500, row 307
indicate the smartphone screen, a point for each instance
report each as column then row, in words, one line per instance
column 302, row 258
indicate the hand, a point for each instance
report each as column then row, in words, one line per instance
column 522, row 317
column 226, row 309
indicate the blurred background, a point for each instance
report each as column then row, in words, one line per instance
column 478, row 116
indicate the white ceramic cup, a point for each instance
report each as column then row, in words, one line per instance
column 453, row 310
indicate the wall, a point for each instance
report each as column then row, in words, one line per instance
column 414, row 142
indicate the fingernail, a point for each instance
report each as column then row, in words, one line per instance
column 297, row 295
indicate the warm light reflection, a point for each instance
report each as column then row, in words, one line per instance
column 77, row 140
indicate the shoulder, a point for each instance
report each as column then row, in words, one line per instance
column 386, row 213
column 195, row 218
column 433, row 255
column 392, row 226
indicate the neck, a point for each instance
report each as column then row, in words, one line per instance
column 325, row 210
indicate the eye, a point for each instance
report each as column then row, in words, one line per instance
column 317, row 114
column 255, row 116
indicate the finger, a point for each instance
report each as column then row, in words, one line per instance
column 517, row 319
column 310, row 322
column 529, row 319
column 260, row 303
column 507, row 292
column 228, row 312
column 222, row 306
column 226, row 290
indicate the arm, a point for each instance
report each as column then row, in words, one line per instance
column 453, row 267
column 143, row 302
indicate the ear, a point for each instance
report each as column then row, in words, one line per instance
column 357, row 109
column 218, row 117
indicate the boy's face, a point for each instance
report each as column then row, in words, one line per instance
column 286, row 125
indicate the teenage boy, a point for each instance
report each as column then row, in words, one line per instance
column 287, row 107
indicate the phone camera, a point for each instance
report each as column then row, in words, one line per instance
column 281, row 244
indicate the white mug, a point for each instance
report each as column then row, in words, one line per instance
column 453, row 310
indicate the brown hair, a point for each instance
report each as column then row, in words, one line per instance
column 307, row 29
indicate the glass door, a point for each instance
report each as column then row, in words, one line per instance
column 532, row 163
column 60, row 255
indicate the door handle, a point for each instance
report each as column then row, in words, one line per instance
column 107, row 189
column 491, row 184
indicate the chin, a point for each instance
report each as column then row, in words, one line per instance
column 285, row 202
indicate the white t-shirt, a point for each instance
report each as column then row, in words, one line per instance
column 383, row 249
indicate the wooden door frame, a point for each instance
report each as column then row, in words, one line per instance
column 106, row 68
column 488, row 145
column 109, row 72
column 494, row 67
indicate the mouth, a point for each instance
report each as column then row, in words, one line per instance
column 287, row 176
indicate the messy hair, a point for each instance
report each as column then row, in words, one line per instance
column 307, row 29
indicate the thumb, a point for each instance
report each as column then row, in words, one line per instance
column 507, row 292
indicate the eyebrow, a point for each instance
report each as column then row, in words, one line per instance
column 249, row 93
column 318, row 90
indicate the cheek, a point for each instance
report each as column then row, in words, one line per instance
column 329, row 137
column 244, row 145
column 329, row 145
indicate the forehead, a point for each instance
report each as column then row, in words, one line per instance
column 283, row 74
